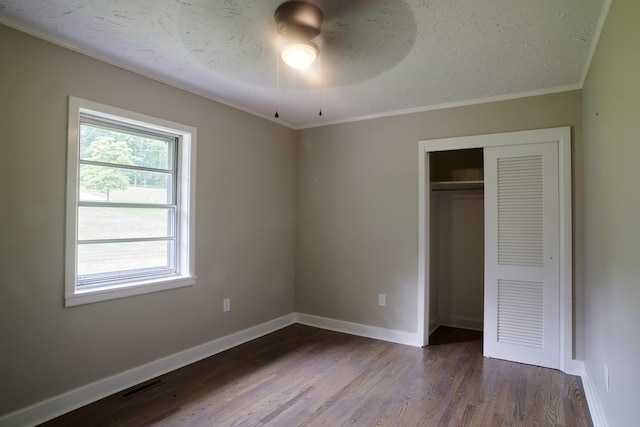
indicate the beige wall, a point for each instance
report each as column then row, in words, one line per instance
column 245, row 225
column 612, row 213
column 358, row 204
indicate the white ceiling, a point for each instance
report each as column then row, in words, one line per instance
column 378, row 57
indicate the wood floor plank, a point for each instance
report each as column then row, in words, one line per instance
column 304, row 376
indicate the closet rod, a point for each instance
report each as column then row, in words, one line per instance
column 456, row 185
column 459, row 189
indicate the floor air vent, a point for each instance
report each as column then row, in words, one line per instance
column 141, row 388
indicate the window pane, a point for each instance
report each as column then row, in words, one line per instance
column 123, row 257
column 105, row 184
column 95, row 223
column 110, row 145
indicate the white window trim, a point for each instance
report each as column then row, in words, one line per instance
column 186, row 176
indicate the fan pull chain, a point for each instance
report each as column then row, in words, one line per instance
column 320, row 82
column 277, row 86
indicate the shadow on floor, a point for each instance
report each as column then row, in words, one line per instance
column 446, row 335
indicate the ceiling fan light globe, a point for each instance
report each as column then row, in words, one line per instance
column 299, row 55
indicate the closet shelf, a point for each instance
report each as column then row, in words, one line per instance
column 456, row 185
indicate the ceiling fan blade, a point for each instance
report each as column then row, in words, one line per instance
column 361, row 39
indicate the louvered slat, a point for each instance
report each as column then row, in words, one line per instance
column 520, row 211
column 521, row 313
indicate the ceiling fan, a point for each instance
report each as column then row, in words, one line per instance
column 361, row 38
column 358, row 38
column 298, row 22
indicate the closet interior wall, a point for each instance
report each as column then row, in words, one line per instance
column 457, row 239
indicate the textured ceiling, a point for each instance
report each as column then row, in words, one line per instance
column 378, row 57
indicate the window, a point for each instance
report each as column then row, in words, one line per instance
column 130, row 204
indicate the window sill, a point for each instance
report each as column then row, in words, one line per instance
column 105, row 293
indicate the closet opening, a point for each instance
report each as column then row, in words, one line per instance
column 456, row 239
column 527, row 259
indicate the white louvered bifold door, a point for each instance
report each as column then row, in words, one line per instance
column 522, row 292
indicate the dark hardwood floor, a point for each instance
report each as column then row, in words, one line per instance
column 306, row 376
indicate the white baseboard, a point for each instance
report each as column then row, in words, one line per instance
column 595, row 408
column 391, row 335
column 58, row 405
column 461, row 322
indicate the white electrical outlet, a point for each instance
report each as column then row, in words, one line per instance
column 606, row 377
column 226, row 304
column 382, row 299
